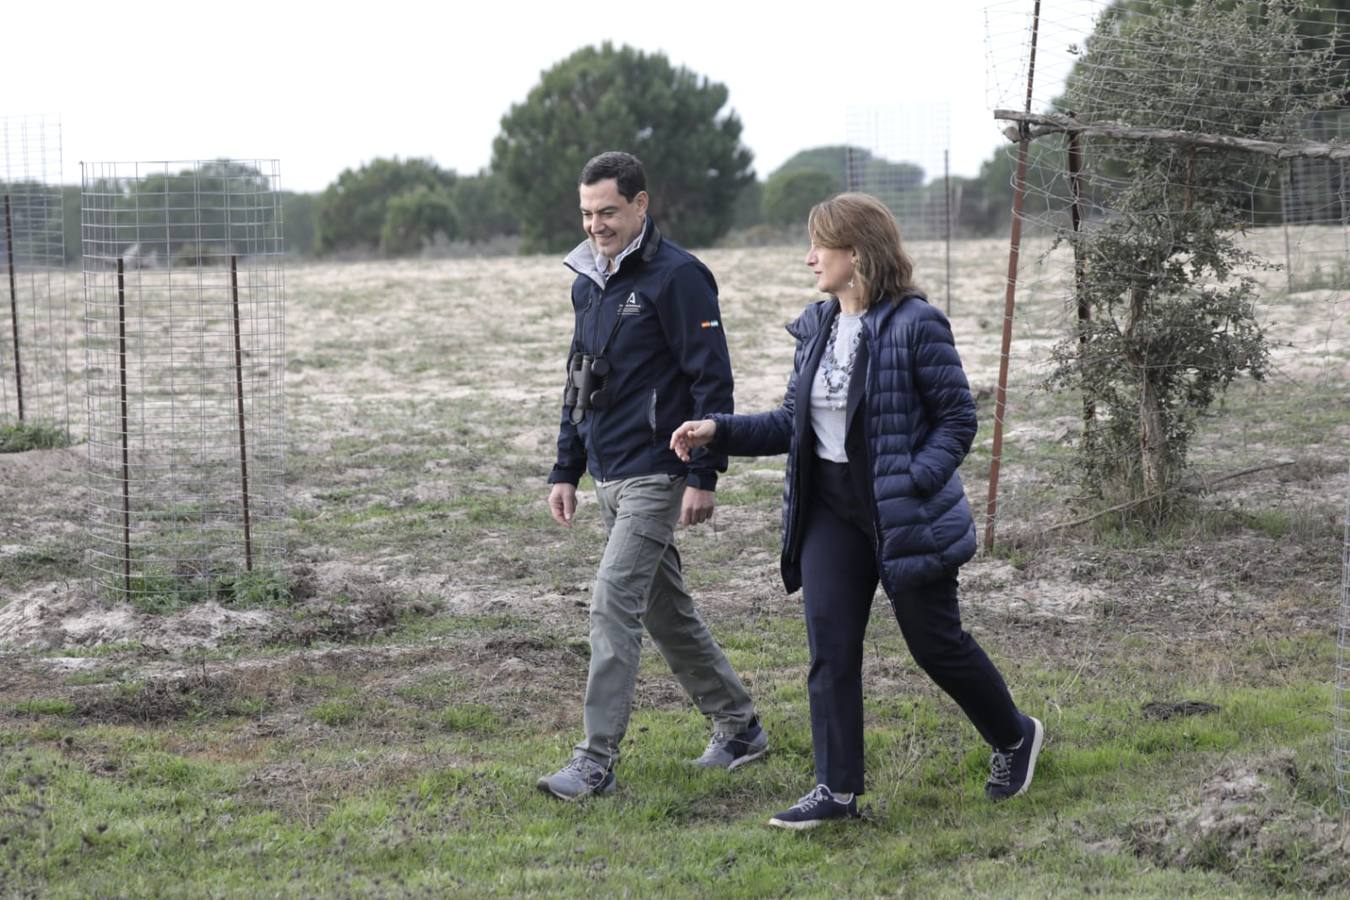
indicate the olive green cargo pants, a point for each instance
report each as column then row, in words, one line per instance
column 639, row 584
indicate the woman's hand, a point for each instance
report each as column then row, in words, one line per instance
column 692, row 435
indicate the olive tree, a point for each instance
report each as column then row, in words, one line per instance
column 1169, row 287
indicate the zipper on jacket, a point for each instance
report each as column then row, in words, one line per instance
column 871, row 472
column 798, row 499
column 599, row 304
column 797, row 515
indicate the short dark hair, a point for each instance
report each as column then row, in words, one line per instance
column 625, row 168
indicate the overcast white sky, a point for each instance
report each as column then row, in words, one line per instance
column 323, row 87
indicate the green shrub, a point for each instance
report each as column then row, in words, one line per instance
column 25, row 436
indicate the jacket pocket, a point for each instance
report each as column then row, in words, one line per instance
column 948, row 513
column 651, row 416
column 913, row 539
column 921, row 483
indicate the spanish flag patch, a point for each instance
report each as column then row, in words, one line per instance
column 712, row 324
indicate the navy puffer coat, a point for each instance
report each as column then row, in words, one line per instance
column 919, row 424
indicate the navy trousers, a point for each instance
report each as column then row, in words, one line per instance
column 839, row 575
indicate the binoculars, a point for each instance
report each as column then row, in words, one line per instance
column 585, row 384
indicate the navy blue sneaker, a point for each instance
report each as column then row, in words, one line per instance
column 1011, row 769
column 816, row 808
column 727, row 751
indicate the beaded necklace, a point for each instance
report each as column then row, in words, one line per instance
column 835, row 376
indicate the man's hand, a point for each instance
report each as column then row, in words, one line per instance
column 562, row 503
column 698, row 506
column 691, row 435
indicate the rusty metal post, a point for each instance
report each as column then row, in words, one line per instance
column 126, row 454
column 1010, row 296
column 13, row 304
column 239, row 396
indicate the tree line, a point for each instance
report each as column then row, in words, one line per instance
column 702, row 179
column 703, row 183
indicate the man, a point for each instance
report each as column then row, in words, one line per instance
column 647, row 353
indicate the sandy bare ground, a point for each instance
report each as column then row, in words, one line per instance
column 388, row 360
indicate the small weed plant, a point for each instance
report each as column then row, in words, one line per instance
column 22, row 437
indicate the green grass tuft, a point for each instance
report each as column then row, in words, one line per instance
column 338, row 712
column 32, row 436
column 45, row 706
column 475, row 718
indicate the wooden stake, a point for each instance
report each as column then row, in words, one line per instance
column 1039, row 125
column 1080, row 268
column 1204, row 485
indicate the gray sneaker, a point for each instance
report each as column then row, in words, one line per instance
column 727, row 750
column 581, row 777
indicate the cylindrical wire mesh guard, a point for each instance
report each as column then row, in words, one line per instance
column 34, row 370
column 185, row 361
column 1342, row 717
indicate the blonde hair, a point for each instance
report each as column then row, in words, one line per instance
column 863, row 224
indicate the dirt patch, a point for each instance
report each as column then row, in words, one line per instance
column 165, row 700
column 998, row 586
column 332, row 602
column 320, row 620
column 56, row 615
column 39, row 465
column 563, row 610
column 1247, row 817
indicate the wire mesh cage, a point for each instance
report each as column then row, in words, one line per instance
column 1342, row 719
column 1149, row 127
column 1315, row 209
column 34, row 379
column 900, row 155
column 185, row 360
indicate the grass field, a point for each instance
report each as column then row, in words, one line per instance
column 380, row 734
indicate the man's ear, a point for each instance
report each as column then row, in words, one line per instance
column 641, row 199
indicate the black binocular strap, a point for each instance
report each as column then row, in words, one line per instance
column 614, row 330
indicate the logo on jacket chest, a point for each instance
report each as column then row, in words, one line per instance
column 631, row 307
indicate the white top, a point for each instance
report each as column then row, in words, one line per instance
column 586, row 260
column 829, row 402
column 607, row 267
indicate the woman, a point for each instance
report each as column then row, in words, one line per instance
column 876, row 419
